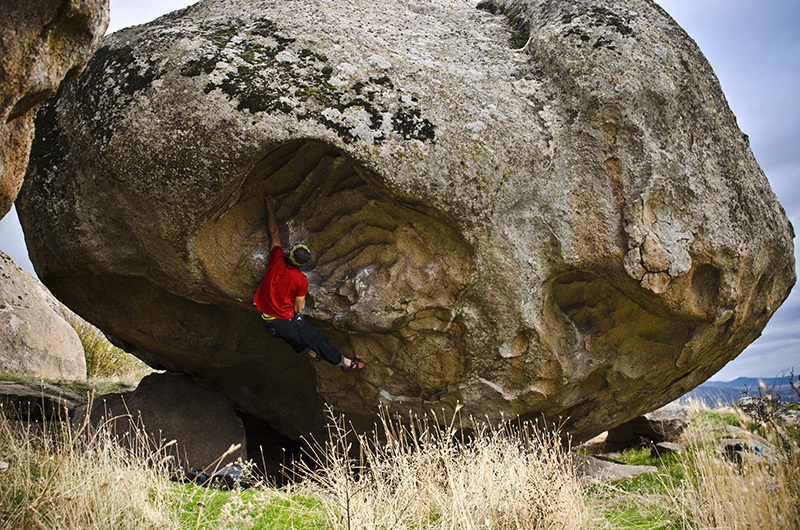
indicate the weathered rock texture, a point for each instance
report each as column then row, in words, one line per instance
column 42, row 42
column 524, row 208
column 35, row 338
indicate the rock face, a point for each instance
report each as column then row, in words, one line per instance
column 523, row 208
column 35, row 339
column 42, row 42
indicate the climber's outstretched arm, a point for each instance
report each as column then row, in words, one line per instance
column 272, row 224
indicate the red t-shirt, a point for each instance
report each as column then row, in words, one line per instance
column 282, row 283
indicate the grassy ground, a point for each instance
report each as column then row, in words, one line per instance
column 419, row 477
column 702, row 489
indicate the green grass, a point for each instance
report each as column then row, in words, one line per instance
column 643, row 502
column 701, row 489
column 715, row 419
column 638, row 503
column 639, row 456
column 635, row 515
column 212, row 509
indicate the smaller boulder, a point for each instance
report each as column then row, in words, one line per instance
column 593, row 469
column 662, row 425
column 35, row 338
column 669, row 422
column 662, row 449
column 207, row 431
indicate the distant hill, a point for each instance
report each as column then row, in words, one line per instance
column 715, row 393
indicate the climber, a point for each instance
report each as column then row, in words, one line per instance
column 281, row 297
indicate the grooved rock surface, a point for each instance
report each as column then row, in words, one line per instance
column 527, row 208
column 35, row 338
column 42, row 42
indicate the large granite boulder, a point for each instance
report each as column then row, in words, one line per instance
column 42, row 42
column 35, row 337
column 522, row 208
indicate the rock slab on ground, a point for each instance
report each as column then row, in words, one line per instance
column 594, row 470
column 519, row 208
column 32, row 401
column 662, row 449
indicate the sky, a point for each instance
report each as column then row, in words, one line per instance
column 754, row 48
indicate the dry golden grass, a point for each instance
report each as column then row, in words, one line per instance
column 407, row 475
column 423, row 476
column 64, row 479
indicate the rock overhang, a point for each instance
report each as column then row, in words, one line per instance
column 521, row 229
column 45, row 44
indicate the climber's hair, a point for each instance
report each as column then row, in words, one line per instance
column 299, row 255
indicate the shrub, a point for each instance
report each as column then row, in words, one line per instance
column 103, row 359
